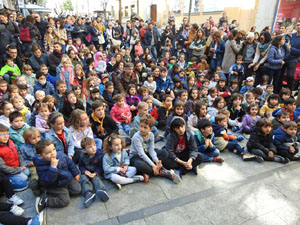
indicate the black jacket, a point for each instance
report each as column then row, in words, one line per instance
column 54, row 60
column 109, row 126
column 258, row 140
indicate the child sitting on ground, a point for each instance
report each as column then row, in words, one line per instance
column 205, row 141
column 280, row 119
column 236, row 112
column 17, row 128
column 286, row 140
column 12, row 162
column 42, row 117
column 199, row 114
column 164, row 111
column 248, row 86
column 116, row 162
column 90, row 166
column 236, row 71
column 10, row 71
column 143, row 155
column 289, row 107
column 43, row 84
column 19, row 105
column 59, row 95
column 270, row 106
column 261, row 144
column 57, row 174
column 109, row 93
column 250, row 119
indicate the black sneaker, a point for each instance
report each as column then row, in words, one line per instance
column 259, row 159
column 296, row 158
column 89, row 199
column 195, row 170
column 102, row 195
column 40, row 204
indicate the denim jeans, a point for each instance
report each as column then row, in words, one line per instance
column 91, row 184
column 124, row 126
column 23, row 176
column 153, row 51
column 233, row 144
column 275, row 76
column 209, row 156
column 6, row 77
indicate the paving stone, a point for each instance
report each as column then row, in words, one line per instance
column 267, row 219
column 137, row 222
column 289, row 214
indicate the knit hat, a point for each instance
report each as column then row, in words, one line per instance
column 250, row 35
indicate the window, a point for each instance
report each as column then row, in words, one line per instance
column 175, row 6
column 195, row 6
column 126, row 11
column 132, row 9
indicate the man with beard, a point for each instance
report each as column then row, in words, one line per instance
column 11, row 26
column 37, row 58
column 55, row 58
column 12, row 52
column 125, row 78
column 140, row 72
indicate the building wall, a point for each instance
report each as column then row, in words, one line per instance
column 265, row 13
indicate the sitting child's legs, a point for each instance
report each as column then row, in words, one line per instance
column 74, row 187
column 33, row 172
column 22, row 176
column 234, row 145
column 260, row 153
column 98, row 183
column 141, row 166
column 209, row 156
column 57, row 197
column 118, row 179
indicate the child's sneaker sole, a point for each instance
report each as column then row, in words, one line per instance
column 176, row 178
column 102, row 195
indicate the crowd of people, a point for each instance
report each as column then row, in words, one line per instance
column 83, row 100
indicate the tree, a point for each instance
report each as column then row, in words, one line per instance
column 68, row 5
column 104, row 6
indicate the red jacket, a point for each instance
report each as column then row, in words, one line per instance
column 9, row 154
column 154, row 113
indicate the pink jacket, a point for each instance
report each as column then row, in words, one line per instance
column 120, row 114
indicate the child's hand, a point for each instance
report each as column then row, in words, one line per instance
column 292, row 149
column 155, row 169
column 125, row 168
column 159, row 164
column 236, row 73
column 77, row 177
column 47, row 130
column 162, row 91
column 298, row 118
column 23, row 168
column 54, row 162
column 132, row 108
column 189, row 164
column 30, row 164
column 207, row 143
column 126, row 121
column 271, row 154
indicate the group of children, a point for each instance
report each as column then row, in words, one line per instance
column 63, row 135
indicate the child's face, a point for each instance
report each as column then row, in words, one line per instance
column 95, row 96
column 181, row 74
column 48, row 153
column 42, row 79
column 62, row 88
column 213, row 94
column 250, row 100
column 273, row 101
column 144, row 129
column 3, row 87
column 40, row 96
column 90, row 150
column 34, row 138
column 99, row 112
column 183, row 97
column 207, row 131
column 145, row 93
column 181, row 58
column 290, row 107
column 194, row 94
column 285, row 96
column 203, row 111
column 143, row 111
column 254, row 111
column 250, row 83
column 234, row 86
column 203, row 60
column 4, row 137
column 222, row 84
column 17, row 123
column 179, row 110
column 28, row 72
column 116, row 145
column 58, row 124
column 72, row 98
column 239, row 61
column 269, row 90
column 223, row 123
column 132, row 91
column 149, row 102
column 13, row 93
column 164, row 74
column 23, row 92
column 18, row 103
column 192, row 81
column 292, row 131
column 44, row 70
column 178, row 84
column 180, row 130
column 237, row 102
column 44, row 112
column 204, row 91
column 77, row 91
column 217, row 77
column 8, row 109
column 266, row 129
column 104, row 80
column 161, row 63
column 168, row 102
column 110, row 89
column 21, row 81
column 284, row 118
column 120, row 103
column 206, row 83
column 10, row 62
column 84, row 120
column 78, row 72
column 150, row 79
column 221, row 104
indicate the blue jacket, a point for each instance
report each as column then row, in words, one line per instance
column 58, row 143
column 35, row 64
column 282, row 140
column 200, row 141
column 295, row 49
column 92, row 164
column 219, row 54
column 275, row 58
column 51, row 79
column 47, row 88
column 111, row 165
column 55, row 177
column 245, row 88
column 164, row 85
column 148, row 37
column 28, row 152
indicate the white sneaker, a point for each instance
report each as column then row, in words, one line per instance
column 16, row 210
column 119, row 186
column 15, row 200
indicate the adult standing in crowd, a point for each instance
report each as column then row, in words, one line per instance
column 79, row 31
column 152, row 39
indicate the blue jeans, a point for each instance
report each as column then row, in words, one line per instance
column 23, row 176
column 6, row 77
column 209, row 156
column 154, row 131
column 90, row 184
column 124, row 126
column 275, row 76
column 153, row 51
column 233, row 144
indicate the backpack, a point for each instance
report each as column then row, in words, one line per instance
column 25, row 34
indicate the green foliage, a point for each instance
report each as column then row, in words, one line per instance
column 68, row 5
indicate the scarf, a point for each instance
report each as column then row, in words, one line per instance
column 100, row 128
column 263, row 47
column 168, row 109
column 71, row 75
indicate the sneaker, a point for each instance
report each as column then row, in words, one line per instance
column 16, row 210
column 176, row 178
column 235, row 128
column 259, row 159
column 218, row 159
column 38, row 219
column 286, row 160
column 178, row 173
column 19, row 185
column 146, row 177
column 119, row 186
column 138, row 178
column 102, row 195
column 40, row 204
column 248, row 157
column 195, row 170
column 296, row 158
column 15, row 200
column 89, row 199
